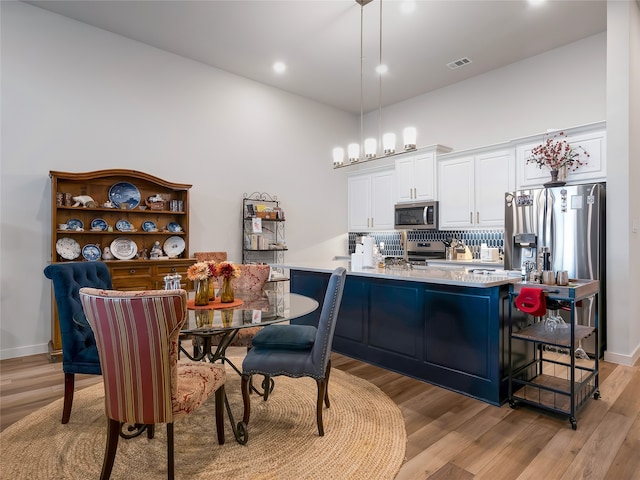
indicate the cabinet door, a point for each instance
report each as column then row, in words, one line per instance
column 424, row 177
column 405, row 180
column 494, row 173
column 456, row 188
column 382, row 200
column 359, row 199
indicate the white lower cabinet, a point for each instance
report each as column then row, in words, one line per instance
column 472, row 187
column 371, row 201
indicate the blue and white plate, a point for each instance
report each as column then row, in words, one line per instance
column 74, row 223
column 174, row 227
column 149, row 226
column 98, row 223
column 91, row 252
column 124, row 226
column 124, row 194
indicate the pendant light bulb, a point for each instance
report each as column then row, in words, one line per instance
column 354, row 152
column 409, row 136
column 389, row 143
column 338, row 156
column 370, row 148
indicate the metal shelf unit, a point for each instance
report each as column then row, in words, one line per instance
column 554, row 379
column 264, row 239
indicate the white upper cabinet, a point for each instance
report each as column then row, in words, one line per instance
column 593, row 138
column 415, row 178
column 472, row 187
column 416, row 175
column 371, row 200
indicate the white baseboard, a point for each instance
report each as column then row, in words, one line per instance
column 24, row 351
column 621, row 359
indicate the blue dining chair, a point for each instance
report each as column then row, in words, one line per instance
column 297, row 350
column 79, row 351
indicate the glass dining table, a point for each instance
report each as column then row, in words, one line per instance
column 212, row 328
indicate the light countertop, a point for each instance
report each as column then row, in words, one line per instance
column 448, row 275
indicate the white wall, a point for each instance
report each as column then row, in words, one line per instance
column 623, row 177
column 76, row 98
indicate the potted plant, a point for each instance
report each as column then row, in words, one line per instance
column 557, row 154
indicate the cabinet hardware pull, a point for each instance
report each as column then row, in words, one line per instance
column 173, row 269
column 132, row 271
column 477, row 217
column 470, row 217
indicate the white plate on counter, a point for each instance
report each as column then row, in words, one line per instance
column 68, row 248
column 123, row 248
column 173, row 246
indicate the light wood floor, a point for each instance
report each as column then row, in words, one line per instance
column 450, row 436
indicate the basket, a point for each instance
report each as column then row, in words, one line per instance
column 267, row 215
column 154, row 205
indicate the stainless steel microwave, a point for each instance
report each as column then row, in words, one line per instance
column 416, row 216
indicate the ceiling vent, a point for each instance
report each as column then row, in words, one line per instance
column 458, row 63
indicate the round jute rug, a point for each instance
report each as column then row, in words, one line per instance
column 364, row 438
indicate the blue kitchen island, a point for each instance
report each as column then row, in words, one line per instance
column 444, row 326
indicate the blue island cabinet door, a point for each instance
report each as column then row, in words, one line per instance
column 462, row 337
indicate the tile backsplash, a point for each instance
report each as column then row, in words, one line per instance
column 393, row 244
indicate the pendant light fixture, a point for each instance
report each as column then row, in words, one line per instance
column 387, row 143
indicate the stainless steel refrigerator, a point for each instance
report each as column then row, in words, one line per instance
column 570, row 221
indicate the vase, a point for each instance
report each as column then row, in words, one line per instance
column 554, row 180
column 202, row 292
column 226, row 291
column 227, row 317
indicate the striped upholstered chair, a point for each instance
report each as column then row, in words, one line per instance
column 137, row 337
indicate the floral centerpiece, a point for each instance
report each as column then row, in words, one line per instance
column 226, row 271
column 200, row 274
column 556, row 153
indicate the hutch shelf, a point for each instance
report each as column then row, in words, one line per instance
column 126, row 213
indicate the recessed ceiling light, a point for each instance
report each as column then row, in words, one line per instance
column 535, row 3
column 408, row 6
column 279, row 67
column 382, row 69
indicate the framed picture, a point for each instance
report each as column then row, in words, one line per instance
column 251, row 212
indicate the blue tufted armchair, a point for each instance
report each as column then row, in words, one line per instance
column 79, row 351
column 297, row 350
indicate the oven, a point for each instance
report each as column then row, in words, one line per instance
column 420, row 252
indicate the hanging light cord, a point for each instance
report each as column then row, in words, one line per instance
column 380, row 85
column 361, row 80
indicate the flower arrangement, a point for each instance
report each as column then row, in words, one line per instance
column 201, row 270
column 555, row 152
column 226, row 270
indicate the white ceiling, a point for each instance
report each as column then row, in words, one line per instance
column 320, row 39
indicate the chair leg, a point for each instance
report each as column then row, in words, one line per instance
column 170, row 462
column 69, row 385
column 246, row 401
column 322, row 388
column 113, row 433
column 219, row 399
column 266, row 387
column 151, row 431
column 327, row 373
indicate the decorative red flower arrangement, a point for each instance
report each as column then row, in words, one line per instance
column 555, row 152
